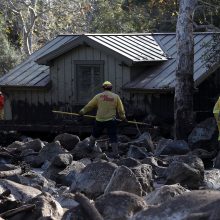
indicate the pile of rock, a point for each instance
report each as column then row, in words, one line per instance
column 151, row 180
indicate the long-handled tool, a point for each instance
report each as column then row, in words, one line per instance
column 91, row 116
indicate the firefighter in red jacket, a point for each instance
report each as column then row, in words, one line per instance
column 2, row 102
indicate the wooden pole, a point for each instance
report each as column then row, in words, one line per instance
column 92, row 116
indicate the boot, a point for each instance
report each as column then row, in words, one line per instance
column 115, row 150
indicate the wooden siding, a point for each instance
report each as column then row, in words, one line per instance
column 36, row 106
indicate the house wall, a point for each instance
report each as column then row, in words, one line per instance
column 36, row 106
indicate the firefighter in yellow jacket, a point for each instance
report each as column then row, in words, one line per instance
column 216, row 112
column 107, row 104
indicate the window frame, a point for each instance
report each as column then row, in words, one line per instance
column 88, row 63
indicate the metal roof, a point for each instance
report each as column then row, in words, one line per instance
column 29, row 73
column 162, row 76
column 131, row 48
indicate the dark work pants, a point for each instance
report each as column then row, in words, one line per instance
column 111, row 127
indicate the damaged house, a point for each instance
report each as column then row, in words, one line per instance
column 69, row 70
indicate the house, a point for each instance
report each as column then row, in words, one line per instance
column 69, row 70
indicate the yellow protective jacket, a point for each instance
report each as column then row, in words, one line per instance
column 106, row 103
column 216, row 112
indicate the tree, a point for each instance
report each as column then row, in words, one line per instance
column 41, row 20
column 9, row 56
column 183, row 100
column 133, row 16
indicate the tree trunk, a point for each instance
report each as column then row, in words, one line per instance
column 183, row 100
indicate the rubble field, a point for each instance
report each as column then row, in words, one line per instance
column 154, row 178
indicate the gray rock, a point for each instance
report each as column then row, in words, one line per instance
column 33, row 160
column 119, row 205
column 36, row 145
column 62, row 160
column 18, row 191
column 46, row 208
column 123, row 179
column 68, row 141
column 164, row 193
column 192, row 160
column 28, row 152
column 183, row 206
column 67, row 201
column 50, row 151
column 171, row 147
column 137, row 152
column 212, row 179
column 94, row 178
column 144, row 140
column 16, row 145
column 82, row 150
column 179, row 172
column 36, row 180
column 204, row 135
column 143, row 173
column 68, row 175
column 128, row 162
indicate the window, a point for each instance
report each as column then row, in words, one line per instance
column 89, row 78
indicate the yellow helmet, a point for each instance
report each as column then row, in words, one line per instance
column 107, row 85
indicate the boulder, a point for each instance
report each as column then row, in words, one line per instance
column 137, row 152
column 144, row 140
column 204, row 135
column 217, row 161
column 179, row 172
column 16, row 145
column 18, row 191
column 36, row 180
column 33, row 160
column 62, row 160
column 191, row 160
column 119, row 205
column 171, row 147
column 143, row 173
column 35, row 145
column 164, row 193
column 50, row 151
column 202, row 203
column 68, row 141
column 68, row 175
column 94, row 178
column 46, row 208
column 128, row 162
column 212, row 179
column 67, row 200
column 82, row 150
column 157, row 169
column 123, row 179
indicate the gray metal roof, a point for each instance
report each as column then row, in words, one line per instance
column 29, row 73
column 131, row 48
column 162, row 76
